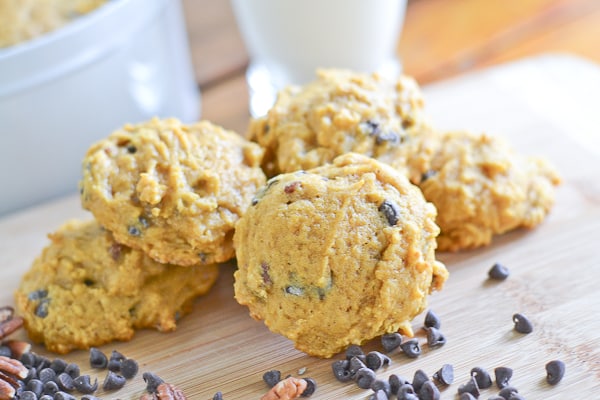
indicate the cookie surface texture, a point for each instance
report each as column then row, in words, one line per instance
column 85, row 290
column 172, row 190
column 479, row 186
column 337, row 255
column 340, row 112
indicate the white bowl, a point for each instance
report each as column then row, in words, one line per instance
column 125, row 62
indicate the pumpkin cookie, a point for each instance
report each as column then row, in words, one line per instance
column 340, row 112
column 172, row 190
column 479, row 185
column 337, row 255
column 85, row 289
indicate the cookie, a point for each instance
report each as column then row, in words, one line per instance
column 337, row 255
column 340, row 112
column 172, row 190
column 85, row 289
column 479, row 185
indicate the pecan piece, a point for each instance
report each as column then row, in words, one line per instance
column 287, row 389
column 9, row 326
column 13, row 367
column 7, row 391
column 165, row 391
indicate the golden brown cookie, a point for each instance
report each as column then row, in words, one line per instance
column 337, row 255
column 479, row 185
column 340, row 112
column 85, row 289
column 172, row 190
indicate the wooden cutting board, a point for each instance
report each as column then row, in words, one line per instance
column 546, row 106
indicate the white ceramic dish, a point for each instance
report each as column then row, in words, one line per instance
column 125, row 62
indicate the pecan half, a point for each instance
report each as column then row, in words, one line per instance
column 13, row 367
column 287, row 389
column 9, row 326
column 165, row 391
column 7, row 392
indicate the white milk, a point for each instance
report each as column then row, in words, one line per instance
column 288, row 39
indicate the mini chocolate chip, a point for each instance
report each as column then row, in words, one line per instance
column 503, row 375
column 50, row 388
column 396, row 382
column 391, row 212
column 311, row 387
column 36, row 386
column 381, row 385
column 218, row 396
column 42, row 309
column 391, row 341
column 272, row 377
column 376, row 360
column 47, row 375
column 152, row 381
column 65, row 382
column 58, row 365
column 113, row 381
column 97, row 359
column 129, row 368
column 354, row 350
column 467, row 396
column 131, row 149
column 341, row 371
column 294, row 290
column 435, row 338
column 84, row 385
column 432, row 320
column 445, row 375
column 429, row 391
column 522, row 323
column 27, row 395
column 73, row 370
column 365, row 378
column 355, row 364
column 133, row 231
column 411, row 348
column 427, row 174
column 469, row 387
column 379, row 395
column 482, row 377
column 419, row 378
column 498, row 272
column 37, row 294
column 64, row 396
column 506, row 392
column 555, row 370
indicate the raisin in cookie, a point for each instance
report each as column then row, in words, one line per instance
column 479, row 185
column 340, row 112
column 172, row 190
column 85, row 289
column 337, row 255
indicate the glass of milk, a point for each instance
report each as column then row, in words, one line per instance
column 289, row 39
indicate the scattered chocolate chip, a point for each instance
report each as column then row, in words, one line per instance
column 379, row 395
column 354, row 350
column 58, row 365
column 435, row 338
column 419, row 378
column 429, row 391
column 218, row 396
column 36, row 386
column 365, row 378
column 28, row 359
column 114, row 365
column 432, row 320
column 407, row 392
column 355, row 364
column 272, row 377
column 84, row 385
column 311, row 387
column 375, row 360
column 445, row 375
column 133, row 231
column 522, row 323
column 498, row 272
column 129, row 368
column 47, row 375
column 113, row 381
column 27, row 395
column 97, row 359
column 41, row 362
column 396, row 382
column 152, row 381
column 507, row 392
column 503, row 375
column 341, row 371
column 73, row 370
column 63, row 396
column 516, row 396
column 391, row 212
column 42, row 309
column 482, row 377
column 391, row 341
column 411, row 348
column 37, row 294
column 65, row 382
column 467, row 396
column 49, row 397
column 381, row 385
column 555, row 370
column 50, row 388
column 470, row 387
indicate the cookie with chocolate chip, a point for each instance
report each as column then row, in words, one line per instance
column 174, row 191
column 85, row 289
column 337, row 255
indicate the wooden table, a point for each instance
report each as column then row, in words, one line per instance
column 546, row 106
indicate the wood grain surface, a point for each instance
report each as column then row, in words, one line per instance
column 554, row 269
